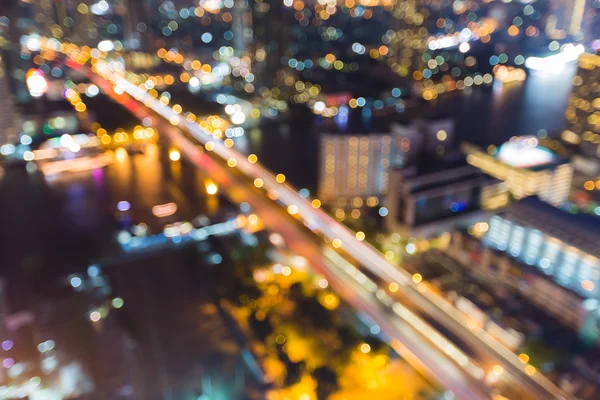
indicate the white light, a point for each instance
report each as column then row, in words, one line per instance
column 106, row 46
column 33, row 42
column 238, row 118
column 26, row 140
column 524, row 153
column 99, row 8
column 556, row 62
column 92, row 91
column 66, row 140
column 7, row 149
column 36, row 83
column 319, row 106
column 411, row 248
column 194, row 82
column 464, row 47
column 28, row 156
column 75, row 147
column 229, row 109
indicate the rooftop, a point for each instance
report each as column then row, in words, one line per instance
column 578, row 230
column 525, row 153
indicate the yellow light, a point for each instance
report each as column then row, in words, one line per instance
column 292, row 209
column 524, row 358
column 286, row 271
column 417, row 278
column 212, row 189
column 329, row 299
column 360, row 236
column 280, row 178
column 210, row 146
column 232, row 162
column 174, row 155
column 365, row 348
column 530, row 370
column 316, row 203
column 589, row 185
column 174, row 120
column 441, row 135
column 389, row 255
column 252, row 158
column 177, row 109
column 105, row 139
column 258, row 182
column 393, row 287
column 80, row 107
column 336, row 243
column 253, row 219
column 497, row 370
column 228, row 142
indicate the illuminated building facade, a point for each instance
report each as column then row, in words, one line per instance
column 408, row 39
column 583, row 110
column 527, row 168
column 418, row 198
column 551, row 256
column 355, row 166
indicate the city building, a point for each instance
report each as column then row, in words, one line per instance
column 424, row 200
column 583, row 110
column 565, row 19
column 423, row 138
column 7, row 111
column 527, row 168
column 356, row 166
column 550, row 255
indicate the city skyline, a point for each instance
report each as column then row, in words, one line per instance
column 299, row 200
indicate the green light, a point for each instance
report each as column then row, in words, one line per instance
column 118, row 302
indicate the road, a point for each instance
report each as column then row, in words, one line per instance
column 455, row 379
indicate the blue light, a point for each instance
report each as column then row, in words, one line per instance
column 76, row 282
column 123, row 206
column 396, row 92
column 597, row 210
column 206, row 37
column 383, row 211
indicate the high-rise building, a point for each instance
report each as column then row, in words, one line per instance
column 527, row 168
column 583, row 110
column 423, row 139
column 355, row 166
column 565, row 19
column 407, row 41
